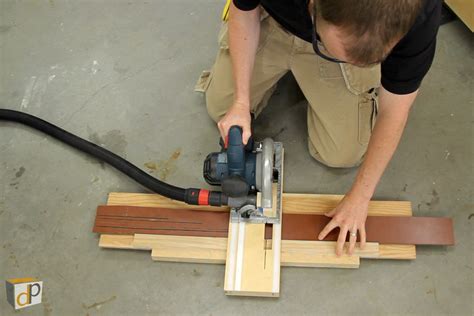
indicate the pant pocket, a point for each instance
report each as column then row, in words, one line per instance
column 367, row 116
column 203, row 82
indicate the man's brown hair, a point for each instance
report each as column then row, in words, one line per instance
column 373, row 26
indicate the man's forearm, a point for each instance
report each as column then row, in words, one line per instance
column 244, row 32
column 391, row 121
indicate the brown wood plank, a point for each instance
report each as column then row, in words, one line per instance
column 132, row 219
column 405, row 230
column 164, row 214
column 381, row 229
column 131, row 222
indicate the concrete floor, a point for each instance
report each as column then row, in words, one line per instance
column 122, row 74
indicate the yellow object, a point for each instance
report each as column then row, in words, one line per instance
column 21, row 280
column 464, row 9
column 225, row 12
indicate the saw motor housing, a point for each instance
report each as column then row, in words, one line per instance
column 249, row 176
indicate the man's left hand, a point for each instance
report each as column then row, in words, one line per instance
column 349, row 215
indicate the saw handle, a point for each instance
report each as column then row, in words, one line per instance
column 234, row 185
column 235, row 151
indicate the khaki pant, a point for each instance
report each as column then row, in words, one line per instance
column 342, row 98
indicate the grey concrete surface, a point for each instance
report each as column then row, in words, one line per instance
column 121, row 73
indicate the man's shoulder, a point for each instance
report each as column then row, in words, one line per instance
column 429, row 15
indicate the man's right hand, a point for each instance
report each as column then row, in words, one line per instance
column 238, row 114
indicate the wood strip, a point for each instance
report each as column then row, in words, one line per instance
column 134, row 223
column 273, row 255
column 132, row 231
column 382, row 229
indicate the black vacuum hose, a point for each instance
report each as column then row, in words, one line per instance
column 191, row 196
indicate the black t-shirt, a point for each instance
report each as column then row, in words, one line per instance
column 405, row 66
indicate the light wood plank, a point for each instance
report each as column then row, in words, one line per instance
column 213, row 250
column 178, row 249
column 309, row 260
column 325, row 248
column 403, row 252
column 148, row 242
column 293, row 203
column 193, row 256
column 193, row 251
column 400, row 252
column 116, row 241
column 154, row 200
column 320, row 254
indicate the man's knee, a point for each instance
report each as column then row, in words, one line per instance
column 217, row 103
column 351, row 156
column 212, row 110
